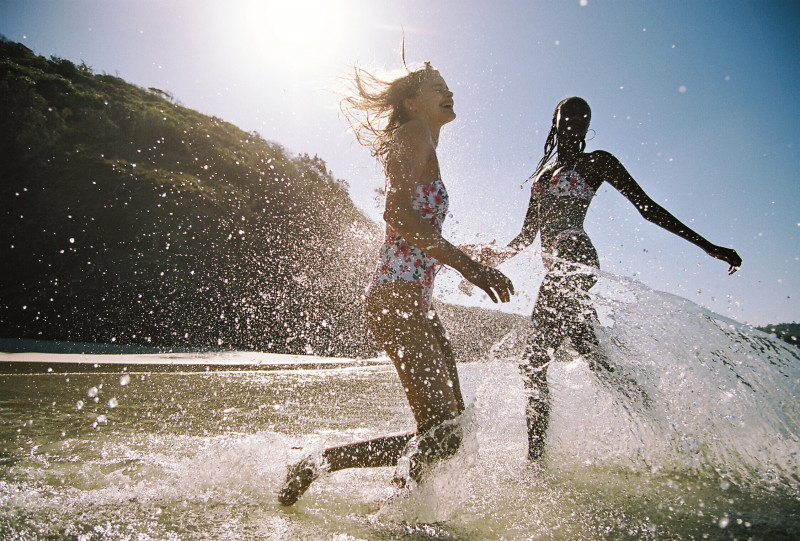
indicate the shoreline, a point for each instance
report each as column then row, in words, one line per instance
column 36, row 362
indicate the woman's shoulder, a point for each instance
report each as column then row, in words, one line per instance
column 600, row 157
column 604, row 166
column 410, row 156
column 413, row 138
column 546, row 172
column 412, row 131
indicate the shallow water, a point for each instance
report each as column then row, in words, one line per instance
column 132, row 453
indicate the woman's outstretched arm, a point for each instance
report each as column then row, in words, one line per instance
column 614, row 172
column 489, row 254
column 530, row 228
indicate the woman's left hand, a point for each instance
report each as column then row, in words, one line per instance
column 727, row 255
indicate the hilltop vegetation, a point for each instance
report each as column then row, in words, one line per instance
column 788, row 332
column 128, row 218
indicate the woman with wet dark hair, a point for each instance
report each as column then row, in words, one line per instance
column 560, row 198
column 401, row 121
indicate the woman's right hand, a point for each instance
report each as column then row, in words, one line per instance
column 493, row 282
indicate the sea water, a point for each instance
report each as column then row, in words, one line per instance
column 118, row 449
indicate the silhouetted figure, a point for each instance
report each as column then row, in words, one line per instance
column 560, row 197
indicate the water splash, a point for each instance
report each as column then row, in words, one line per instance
column 714, row 452
column 725, row 395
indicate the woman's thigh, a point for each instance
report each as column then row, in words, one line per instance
column 563, row 309
column 419, row 350
column 452, row 370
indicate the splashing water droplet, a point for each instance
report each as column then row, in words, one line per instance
column 92, row 392
column 124, row 380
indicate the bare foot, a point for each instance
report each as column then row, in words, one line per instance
column 298, row 478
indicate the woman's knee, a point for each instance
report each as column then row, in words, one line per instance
column 442, row 441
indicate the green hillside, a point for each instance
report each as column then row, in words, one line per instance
column 128, row 218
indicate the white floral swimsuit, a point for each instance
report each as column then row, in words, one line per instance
column 401, row 260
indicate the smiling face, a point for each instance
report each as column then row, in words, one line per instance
column 433, row 102
column 572, row 120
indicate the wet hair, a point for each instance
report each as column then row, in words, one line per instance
column 375, row 108
column 551, row 143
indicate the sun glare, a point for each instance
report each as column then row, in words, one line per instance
column 298, row 32
column 296, row 23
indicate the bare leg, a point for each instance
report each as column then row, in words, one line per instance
column 542, row 343
column 537, row 409
column 563, row 310
column 418, row 346
column 452, row 370
column 377, row 453
column 422, row 356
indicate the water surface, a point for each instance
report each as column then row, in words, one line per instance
column 119, row 449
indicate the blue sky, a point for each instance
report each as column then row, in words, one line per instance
column 696, row 98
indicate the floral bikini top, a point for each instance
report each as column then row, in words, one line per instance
column 432, row 202
column 401, row 260
column 564, row 183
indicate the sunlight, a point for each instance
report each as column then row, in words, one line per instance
column 296, row 32
column 297, row 24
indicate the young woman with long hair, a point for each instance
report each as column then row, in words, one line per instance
column 401, row 122
column 560, row 198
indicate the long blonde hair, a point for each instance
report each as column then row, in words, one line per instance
column 375, row 108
